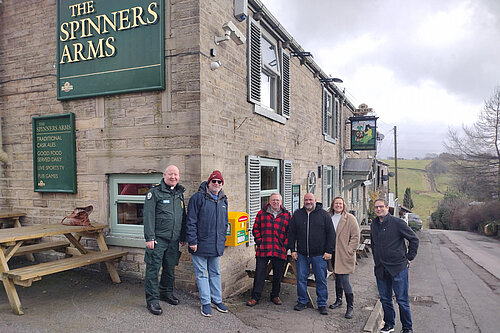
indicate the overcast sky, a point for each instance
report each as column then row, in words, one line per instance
column 422, row 65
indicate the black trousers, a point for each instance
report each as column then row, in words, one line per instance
column 260, row 276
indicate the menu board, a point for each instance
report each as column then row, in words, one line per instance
column 54, row 153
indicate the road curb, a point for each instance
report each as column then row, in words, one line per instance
column 375, row 319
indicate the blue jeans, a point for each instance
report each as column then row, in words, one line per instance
column 319, row 270
column 398, row 283
column 207, row 274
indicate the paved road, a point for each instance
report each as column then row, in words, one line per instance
column 455, row 283
column 83, row 301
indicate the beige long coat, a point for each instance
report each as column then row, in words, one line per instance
column 346, row 244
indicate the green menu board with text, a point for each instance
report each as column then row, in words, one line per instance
column 54, row 153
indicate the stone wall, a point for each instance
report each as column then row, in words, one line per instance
column 201, row 122
column 119, row 134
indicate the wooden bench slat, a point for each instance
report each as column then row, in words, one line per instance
column 44, row 230
column 39, row 270
column 11, row 214
column 43, row 246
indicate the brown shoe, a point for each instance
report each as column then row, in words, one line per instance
column 276, row 300
column 251, row 302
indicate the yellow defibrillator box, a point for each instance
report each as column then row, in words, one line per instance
column 237, row 229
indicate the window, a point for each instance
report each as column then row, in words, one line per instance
column 331, row 109
column 268, row 74
column 269, row 179
column 266, row 176
column 127, row 194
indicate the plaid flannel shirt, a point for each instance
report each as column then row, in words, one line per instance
column 271, row 234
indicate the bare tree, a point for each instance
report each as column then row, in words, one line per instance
column 475, row 153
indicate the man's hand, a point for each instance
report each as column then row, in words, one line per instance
column 194, row 247
column 151, row 244
column 295, row 256
column 327, row 256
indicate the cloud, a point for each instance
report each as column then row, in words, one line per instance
column 421, row 62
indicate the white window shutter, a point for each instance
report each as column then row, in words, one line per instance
column 335, row 182
column 287, row 185
column 285, row 86
column 254, row 60
column 253, row 192
column 324, row 190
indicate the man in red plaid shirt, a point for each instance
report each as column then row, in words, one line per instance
column 270, row 232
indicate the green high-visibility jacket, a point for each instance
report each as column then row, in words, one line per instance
column 165, row 213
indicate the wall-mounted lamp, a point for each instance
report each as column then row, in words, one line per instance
column 301, row 54
column 215, row 64
column 330, row 79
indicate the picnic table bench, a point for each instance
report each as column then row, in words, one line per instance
column 12, row 239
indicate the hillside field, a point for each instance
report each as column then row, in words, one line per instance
column 424, row 192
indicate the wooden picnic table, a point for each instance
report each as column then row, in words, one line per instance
column 12, row 239
column 12, row 218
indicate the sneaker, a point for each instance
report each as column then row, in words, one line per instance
column 387, row 328
column 220, row 307
column 322, row 310
column 406, row 330
column 300, row 307
column 206, row 310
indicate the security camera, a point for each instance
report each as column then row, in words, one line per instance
column 231, row 32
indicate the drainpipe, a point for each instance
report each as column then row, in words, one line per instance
column 3, row 155
column 342, row 144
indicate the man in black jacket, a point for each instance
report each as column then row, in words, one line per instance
column 311, row 238
column 388, row 234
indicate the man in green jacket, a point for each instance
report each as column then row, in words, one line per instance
column 164, row 227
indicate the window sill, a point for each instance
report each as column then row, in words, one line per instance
column 125, row 240
column 269, row 113
column 329, row 138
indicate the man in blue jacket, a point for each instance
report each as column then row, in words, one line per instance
column 388, row 234
column 311, row 238
column 207, row 220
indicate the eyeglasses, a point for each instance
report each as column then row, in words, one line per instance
column 216, row 181
column 379, row 207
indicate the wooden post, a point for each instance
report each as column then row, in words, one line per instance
column 113, row 273
column 10, row 289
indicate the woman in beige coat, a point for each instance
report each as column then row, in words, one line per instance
column 344, row 257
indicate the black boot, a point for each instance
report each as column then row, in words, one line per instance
column 350, row 308
column 338, row 300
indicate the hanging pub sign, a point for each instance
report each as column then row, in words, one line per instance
column 54, row 157
column 363, row 132
column 109, row 47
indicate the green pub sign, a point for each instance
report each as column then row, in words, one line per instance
column 363, row 133
column 54, row 153
column 109, row 46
